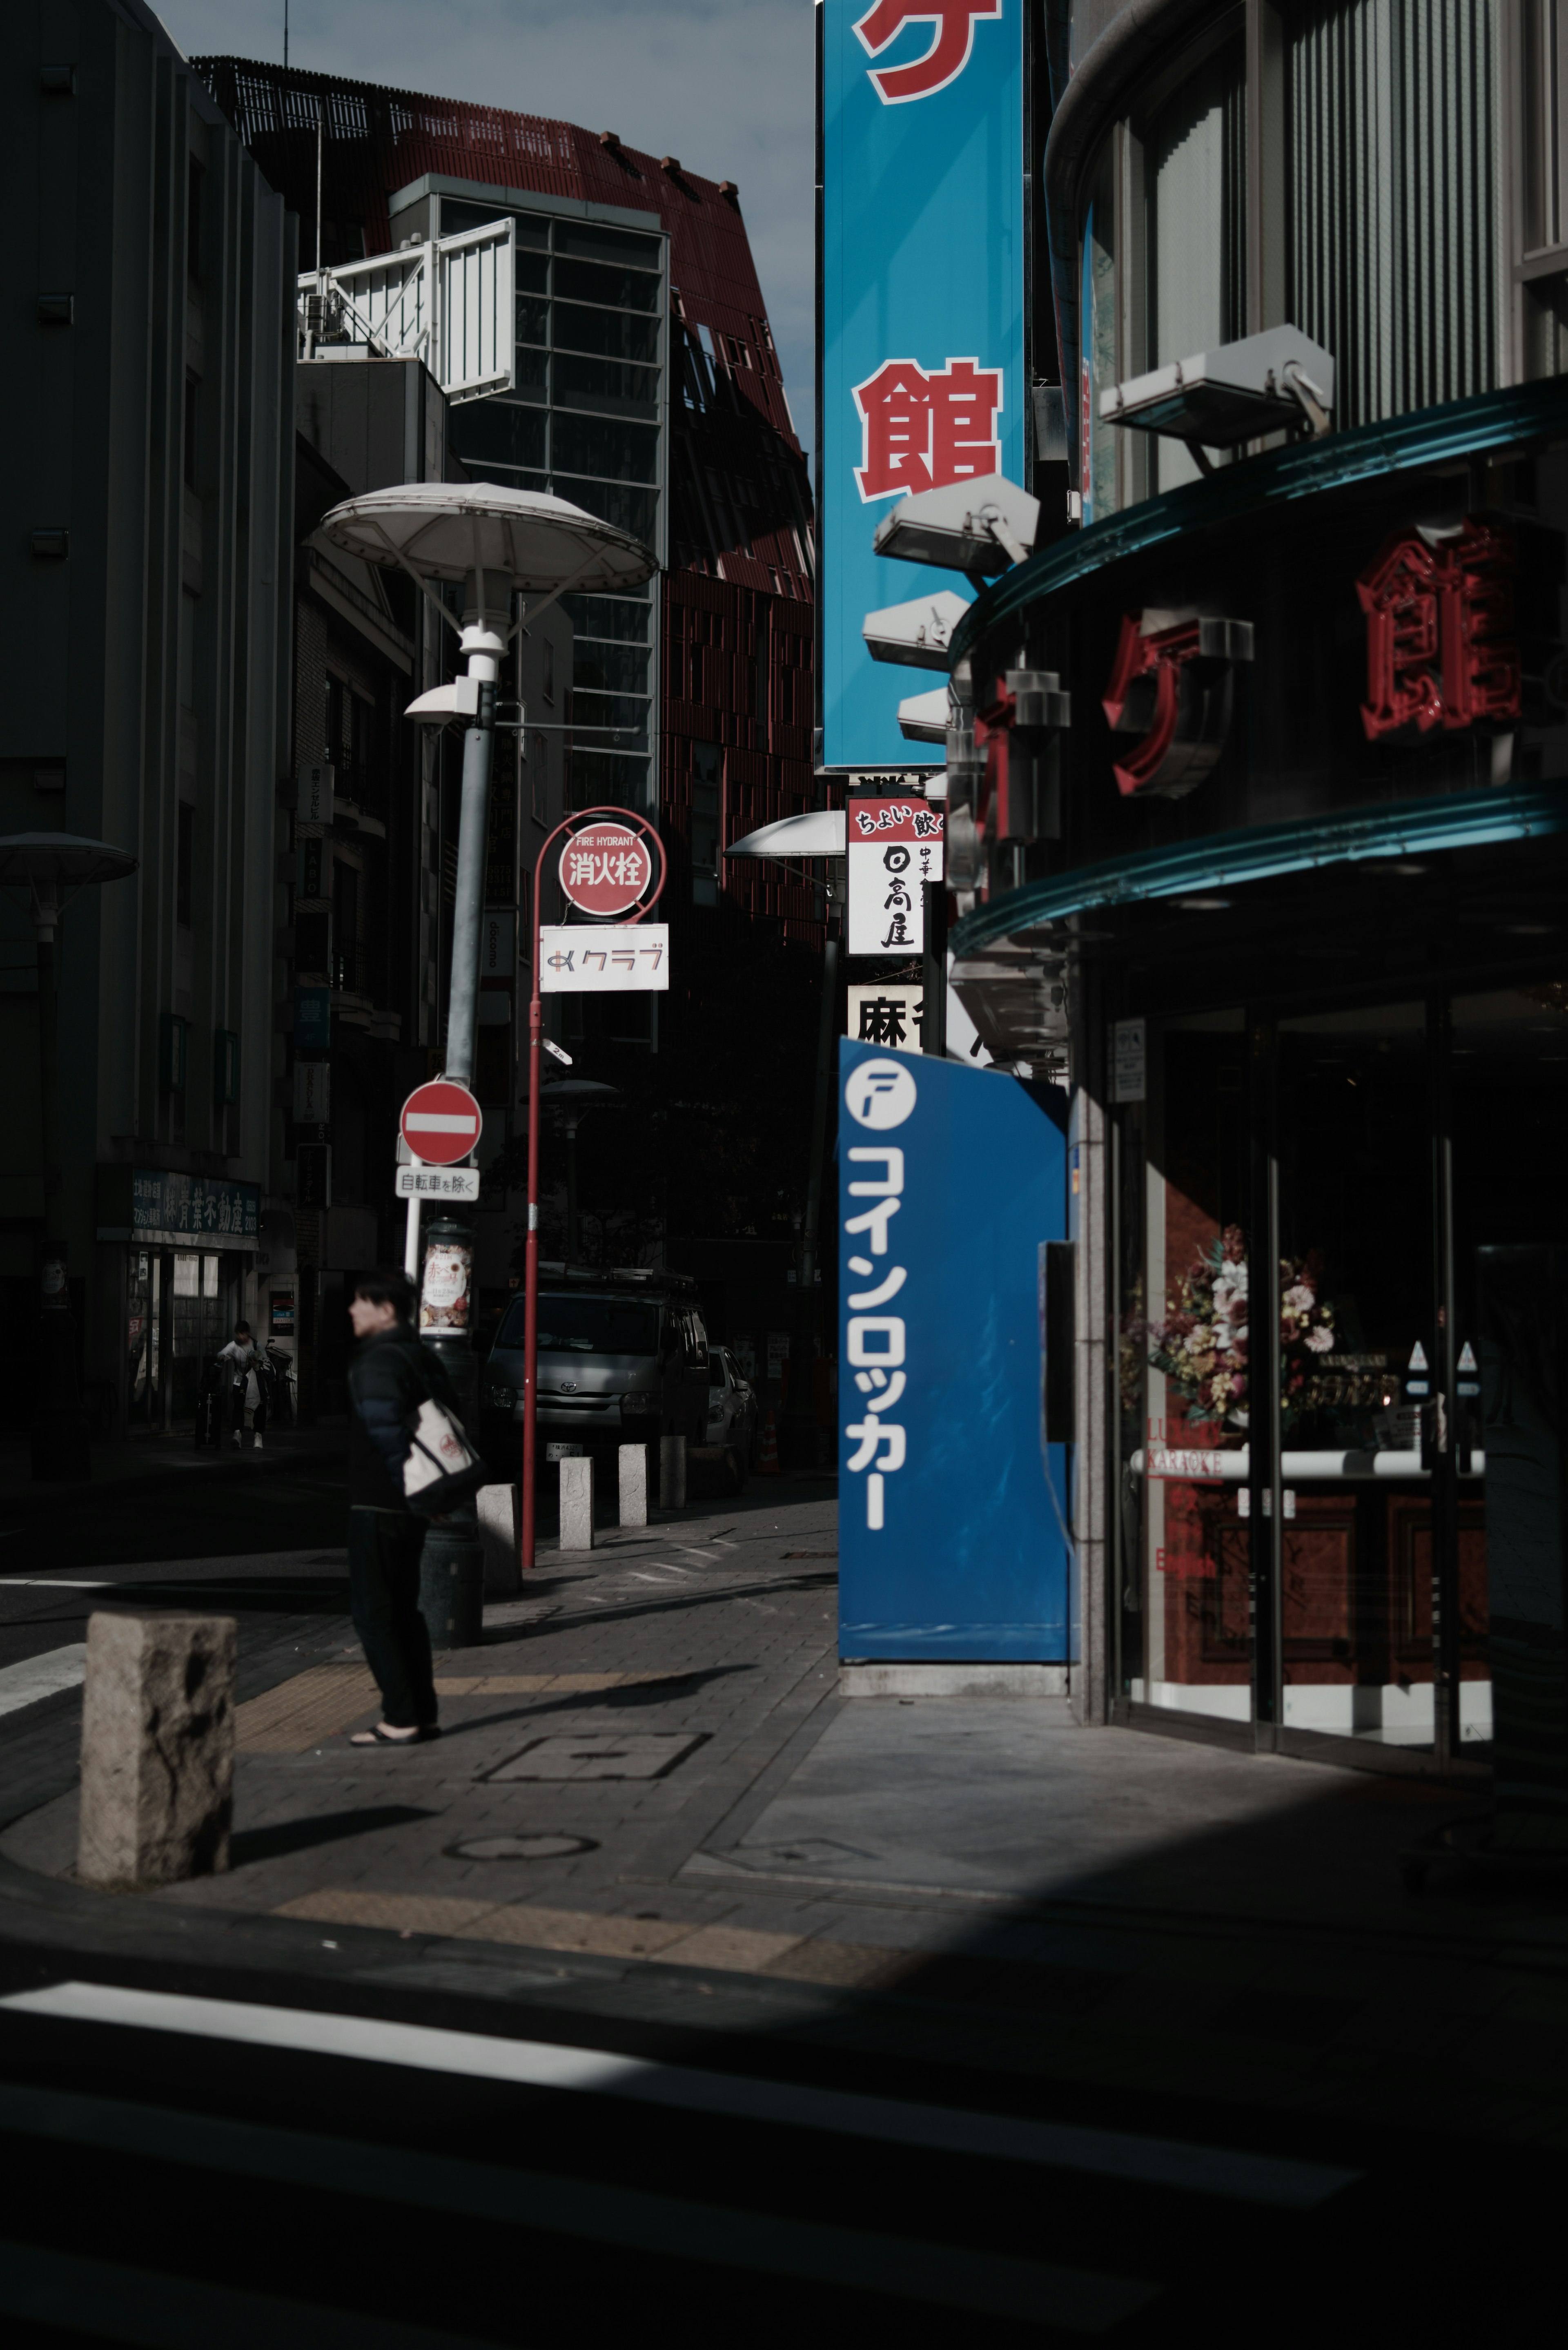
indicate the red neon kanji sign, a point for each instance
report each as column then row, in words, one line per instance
column 1439, row 632
column 952, row 44
column 920, row 431
column 1164, row 653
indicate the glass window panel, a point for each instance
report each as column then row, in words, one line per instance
column 609, row 669
column 533, row 370
column 1186, row 1549
column 607, row 779
column 498, row 431
column 533, row 319
column 1357, row 1335
column 633, row 390
column 609, row 616
column 593, row 242
column 636, row 511
column 625, row 715
column 455, row 217
column 616, row 451
column 613, row 333
column 533, row 272
column 613, row 289
column 1194, row 164
column 1509, row 1063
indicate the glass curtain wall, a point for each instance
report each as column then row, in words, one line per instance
column 586, row 422
column 1392, row 198
column 1195, row 237
column 1408, row 1140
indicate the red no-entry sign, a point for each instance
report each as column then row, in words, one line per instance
column 441, row 1122
column 606, row 869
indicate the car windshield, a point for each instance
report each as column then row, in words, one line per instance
column 716, row 1367
column 587, row 1325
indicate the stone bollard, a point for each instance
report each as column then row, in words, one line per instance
column 578, row 1503
column 495, row 1507
column 634, row 1484
column 672, row 1472
column 158, row 1748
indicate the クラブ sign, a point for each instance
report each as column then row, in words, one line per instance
column 577, row 961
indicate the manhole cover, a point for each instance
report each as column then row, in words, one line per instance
column 527, row 1847
column 601, row 1754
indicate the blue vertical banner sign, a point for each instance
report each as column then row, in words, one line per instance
column 921, row 271
column 952, row 1510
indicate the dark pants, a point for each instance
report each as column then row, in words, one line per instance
column 384, row 1549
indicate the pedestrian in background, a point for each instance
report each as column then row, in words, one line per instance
column 396, row 1388
column 247, row 1397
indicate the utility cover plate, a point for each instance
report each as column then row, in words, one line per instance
column 601, row 1754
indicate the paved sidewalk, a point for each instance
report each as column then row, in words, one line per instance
column 141, row 1462
column 651, row 1803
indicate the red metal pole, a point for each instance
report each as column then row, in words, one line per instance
column 531, row 1258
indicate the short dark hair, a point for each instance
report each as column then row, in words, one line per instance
column 389, row 1287
column 242, row 1325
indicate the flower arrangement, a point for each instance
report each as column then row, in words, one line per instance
column 1201, row 1345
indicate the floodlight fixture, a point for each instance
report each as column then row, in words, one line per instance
column 979, row 526
column 1222, row 398
column 924, row 717
column 917, row 635
column 818, row 832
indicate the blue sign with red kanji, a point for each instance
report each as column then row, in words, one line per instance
column 922, row 334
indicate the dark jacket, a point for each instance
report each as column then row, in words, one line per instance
column 389, row 1376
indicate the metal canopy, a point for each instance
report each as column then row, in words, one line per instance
column 525, row 538
column 70, row 862
column 820, row 832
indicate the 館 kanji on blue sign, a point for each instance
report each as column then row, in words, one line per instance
column 922, row 269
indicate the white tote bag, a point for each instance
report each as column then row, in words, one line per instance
column 439, row 1453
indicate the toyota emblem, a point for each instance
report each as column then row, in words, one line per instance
column 568, row 1387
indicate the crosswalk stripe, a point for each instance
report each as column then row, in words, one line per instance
column 41, row 1677
column 1165, row 2162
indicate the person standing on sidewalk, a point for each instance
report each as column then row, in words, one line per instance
column 248, row 1389
column 389, row 1376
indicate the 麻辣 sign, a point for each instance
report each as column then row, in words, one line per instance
column 922, row 267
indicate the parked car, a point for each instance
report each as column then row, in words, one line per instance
column 623, row 1359
column 732, row 1416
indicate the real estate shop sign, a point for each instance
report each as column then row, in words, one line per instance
column 921, row 271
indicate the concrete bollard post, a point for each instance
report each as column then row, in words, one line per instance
column 158, row 1749
column 672, row 1472
column 634, row 1484
column 578, row 1503
column 495, row 1507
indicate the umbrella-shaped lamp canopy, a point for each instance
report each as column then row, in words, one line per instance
column 523, row 538
column 62, row 859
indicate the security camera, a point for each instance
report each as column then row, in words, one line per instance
column 979, row 526
column 916, row 635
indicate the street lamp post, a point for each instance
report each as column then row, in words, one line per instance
column 497, row 542
column 52, row 866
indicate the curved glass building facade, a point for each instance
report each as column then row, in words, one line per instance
column 1299, row 857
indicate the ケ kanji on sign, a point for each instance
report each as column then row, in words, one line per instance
column 953, row 23
column 1440, row 649
column 606, row 869
column 441, row 1122
column 920, row 431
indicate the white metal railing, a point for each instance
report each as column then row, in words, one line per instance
column 1203, row 1464
column 451, row 302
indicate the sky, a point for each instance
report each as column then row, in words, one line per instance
column 727, row 85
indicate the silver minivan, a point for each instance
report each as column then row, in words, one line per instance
column 623, row 1359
